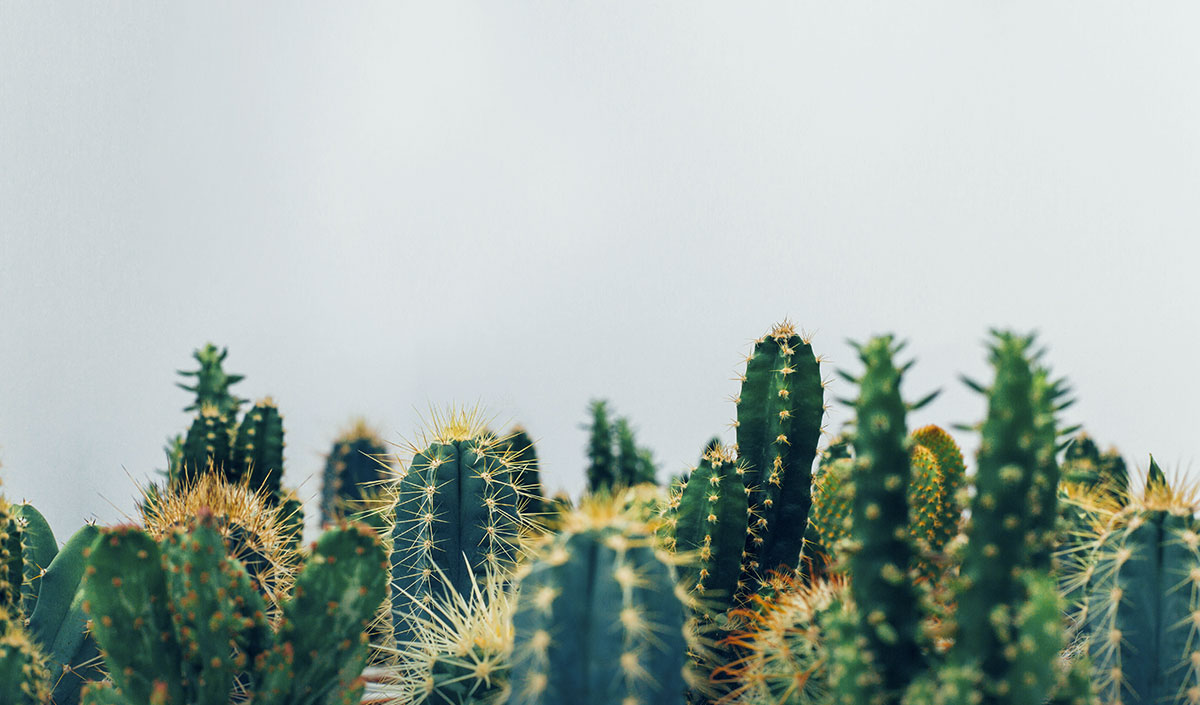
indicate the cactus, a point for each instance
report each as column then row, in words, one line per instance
column 708, row 520
column 951, row 478
column 456, row 498
column 881, row 553
column 528, row 475
column 779, row 416
column 830, row 519
column 38, row 549
column 614, row 457
column 462, row 653
column 212, row 383
column 258, row 451
column 208, row 448
column 57, row 621
column 354, row 467
column 178, row 621
column 783, row 657
column 598, row 619
column 1143, row 593
column 12, row 565
column 24, row 679
column 258, row 533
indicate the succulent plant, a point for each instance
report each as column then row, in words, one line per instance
column 354, row 468
column 599, row 618
column 258, row 450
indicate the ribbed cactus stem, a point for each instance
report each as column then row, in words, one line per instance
column 258, row 452
column 779, row 415
column 355, row 464
column 598, row 623
column 952, row 475
column 207, row 448
column 710, row 522
column 881, row 553
column 456, row 516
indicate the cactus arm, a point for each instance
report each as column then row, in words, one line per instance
column 258, row 452
column 38, row 548
column 323, row 626
column 779, row 414
column 125, row 593
column 711, row 523
column 59, row 624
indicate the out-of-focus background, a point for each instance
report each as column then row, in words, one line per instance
column 382, row 208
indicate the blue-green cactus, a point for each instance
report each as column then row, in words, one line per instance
column 257, row 456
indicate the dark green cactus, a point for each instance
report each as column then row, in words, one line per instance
column 779, row 416
column 1143, row 599
column 708, row 521
column 180, row 623
column 455, row 515
column 602, row 461
column 38, row 549
column 831, row 516
column 212, row 383
column 353, row 469
column 258, row 451
column 207, row 448
column 12, row 564
column 881, row 554
column 528, row 474
column 599, row 622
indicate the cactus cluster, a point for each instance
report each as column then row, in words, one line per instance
column 614, row 457
column 179, row 621
column 884, row 576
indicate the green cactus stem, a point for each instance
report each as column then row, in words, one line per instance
column 24, row 679
column 355, row 466
column 455, row 514
column 602, row 462
column 881, row 554
column 598, row 620
column 207, row 448
column 952, row 473
column 258, row 451
column 528, row 475
column 212, row 384
column 709, row 520
column 779, row 416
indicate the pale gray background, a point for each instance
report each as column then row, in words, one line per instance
column 383, row 206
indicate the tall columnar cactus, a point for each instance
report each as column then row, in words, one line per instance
column 1143, row 598
column 178, row 621
column 258, row 451
column 779, row 416
column 881, row 553
column 455, row 515
column 208, row 447
column 354, row 467
column 598, row 619
column 708, row 521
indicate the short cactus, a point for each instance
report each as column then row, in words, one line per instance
column 208, row 448
column 708, row 520
column 355, row 466
column 598, row 619
column 528, row 476
column 258, row 450
column 455, row 515
column 944, row 523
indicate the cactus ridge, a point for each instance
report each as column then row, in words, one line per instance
column 952, row 473
column 710, row 523
column 456, row 497
column 258, row 449
column 207, row 448
column 599, row 620
column 780, row 410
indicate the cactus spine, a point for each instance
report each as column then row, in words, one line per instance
column 779, row 414
column 527, row 476
column 455, row 515
column 598, row 620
